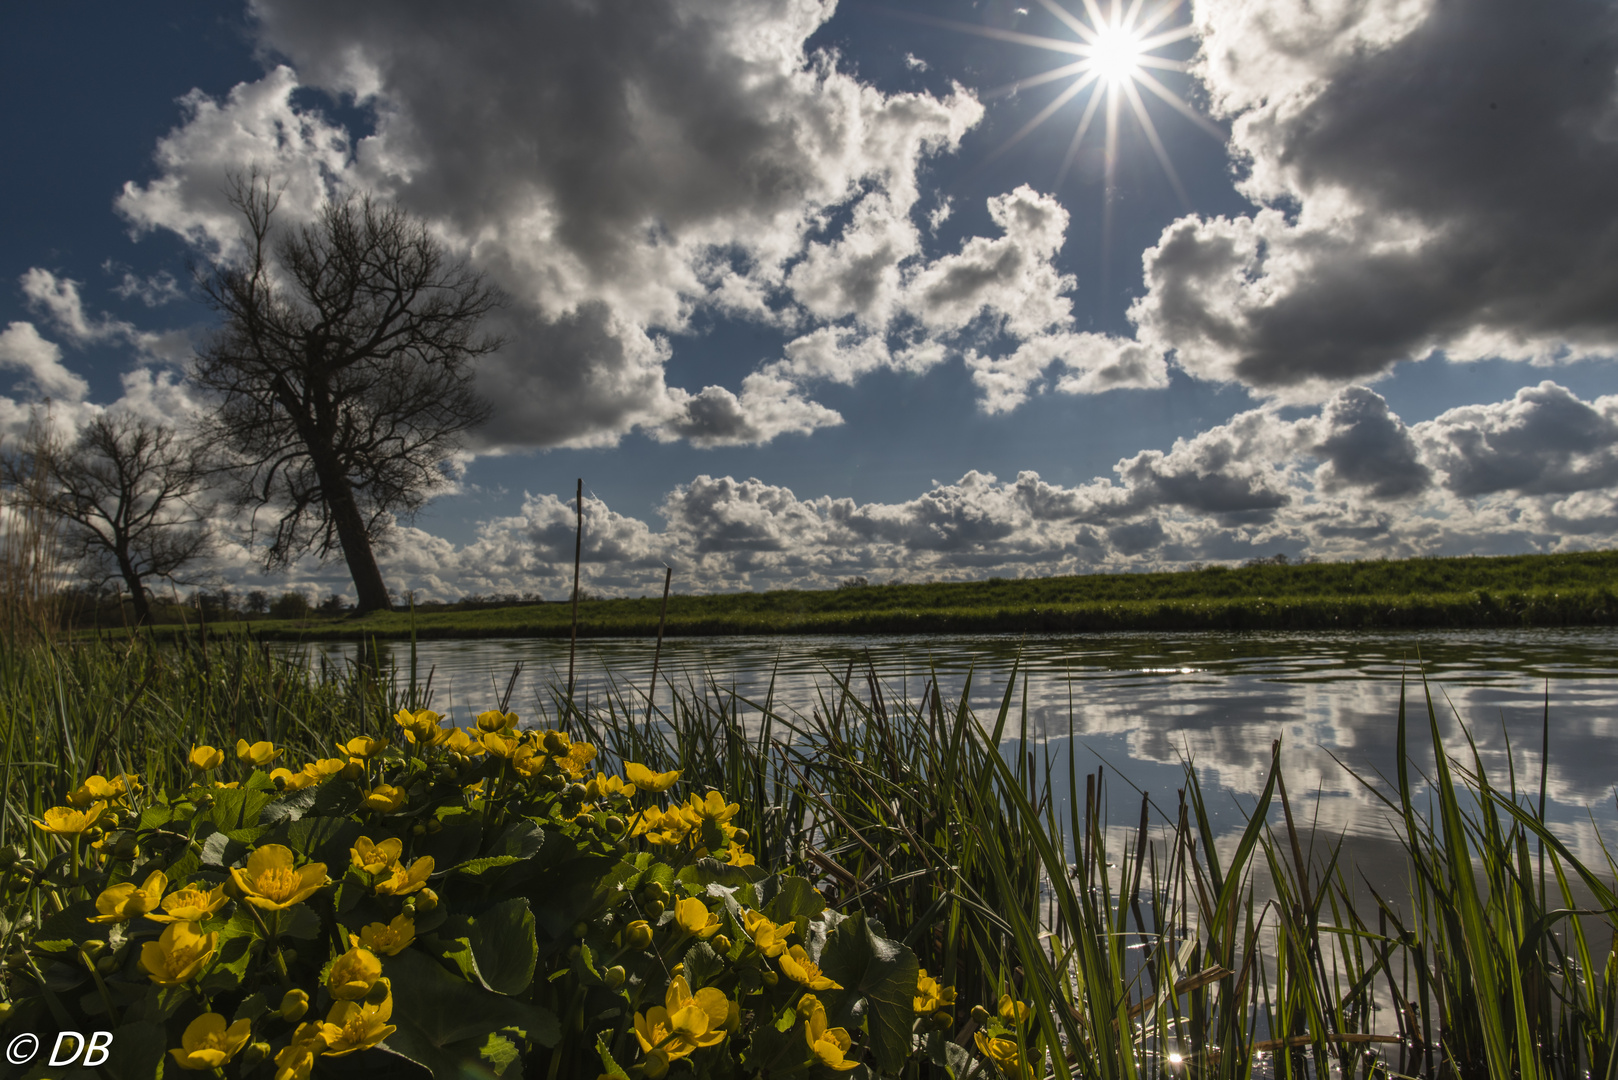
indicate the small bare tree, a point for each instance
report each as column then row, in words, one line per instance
column 342, row 373
column 125, row 498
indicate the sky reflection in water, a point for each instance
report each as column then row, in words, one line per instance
column 1143, row 703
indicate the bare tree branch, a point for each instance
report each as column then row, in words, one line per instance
column 342, row 373
column 126, row 497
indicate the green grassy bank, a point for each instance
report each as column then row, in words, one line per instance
column 1505, row 591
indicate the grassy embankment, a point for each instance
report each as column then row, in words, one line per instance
column 1156, row 956
column 1504, row 591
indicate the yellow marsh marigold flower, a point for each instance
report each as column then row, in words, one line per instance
column 208, row 1043
column 577, row 759
column 297, row 1061
column 495, row 720
column 270, row 880
column 375, row 858
column 384, row 798
column 355, row 1025
column 402, row 882
column 526, row 761
column 1003, row 1052
column 179, row 954
column 737, row 855
column 931, row 995
column 190, row 904
column 711, row 807
column 206, row 758
column 693, row 917
column 770, row 938
column 498, row 743
column 123, row 902
column 257, row 754
column 1011, row 1012
column 796, row 965
column 645, row 779
column 604, row 786
column 66, row 821
column 353, row 974
column 663, row 827
column 326, row 768
column 684, row 1022
column 100, row 789
column 830, row 1045
column 390, row 939
column 288, row 780
column 361, row 746
column 222, row 784
column 422, row 726
column 459, row 743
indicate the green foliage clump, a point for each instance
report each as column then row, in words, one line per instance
column 445, row 902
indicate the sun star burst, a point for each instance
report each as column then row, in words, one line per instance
column 1114, row 53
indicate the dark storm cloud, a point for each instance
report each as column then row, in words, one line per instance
column 1365, row 446
column 1441, row 180
column 1544, row 441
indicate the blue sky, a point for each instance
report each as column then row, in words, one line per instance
column 779, row 301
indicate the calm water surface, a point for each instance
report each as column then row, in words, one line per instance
column 1144, row 703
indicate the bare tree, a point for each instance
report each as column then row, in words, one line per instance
column 342, row 373
column 125, row 495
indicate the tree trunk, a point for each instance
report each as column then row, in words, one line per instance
column 362, row 567
column 369, row 588
column 137, row 592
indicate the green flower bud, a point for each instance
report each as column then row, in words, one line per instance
column 770, row 977
column 434, row 825
column 741, row 836
column 93, row 948
column 379, row 992
column 615, row 825
column 426, row 900
column 980, row 1015
column 255, row 1054
column 638, row 935
column 614, row 976
column 721, row 944
column 654, row 891
column 294, row 1003
column 654, row 909
column 418, row 829
column 943, row 1021
column 581, row 929
column 554, row 744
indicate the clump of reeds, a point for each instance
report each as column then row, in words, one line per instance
column 30, row 570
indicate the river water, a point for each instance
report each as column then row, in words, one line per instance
column 1143, row 704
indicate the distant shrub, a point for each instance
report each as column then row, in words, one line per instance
column 290, row 605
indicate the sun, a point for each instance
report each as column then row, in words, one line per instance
column 1114, row 52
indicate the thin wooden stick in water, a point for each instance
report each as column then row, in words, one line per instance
column 657, row 653
column 578, row 549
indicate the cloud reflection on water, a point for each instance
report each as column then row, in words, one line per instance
column 1143, row 703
